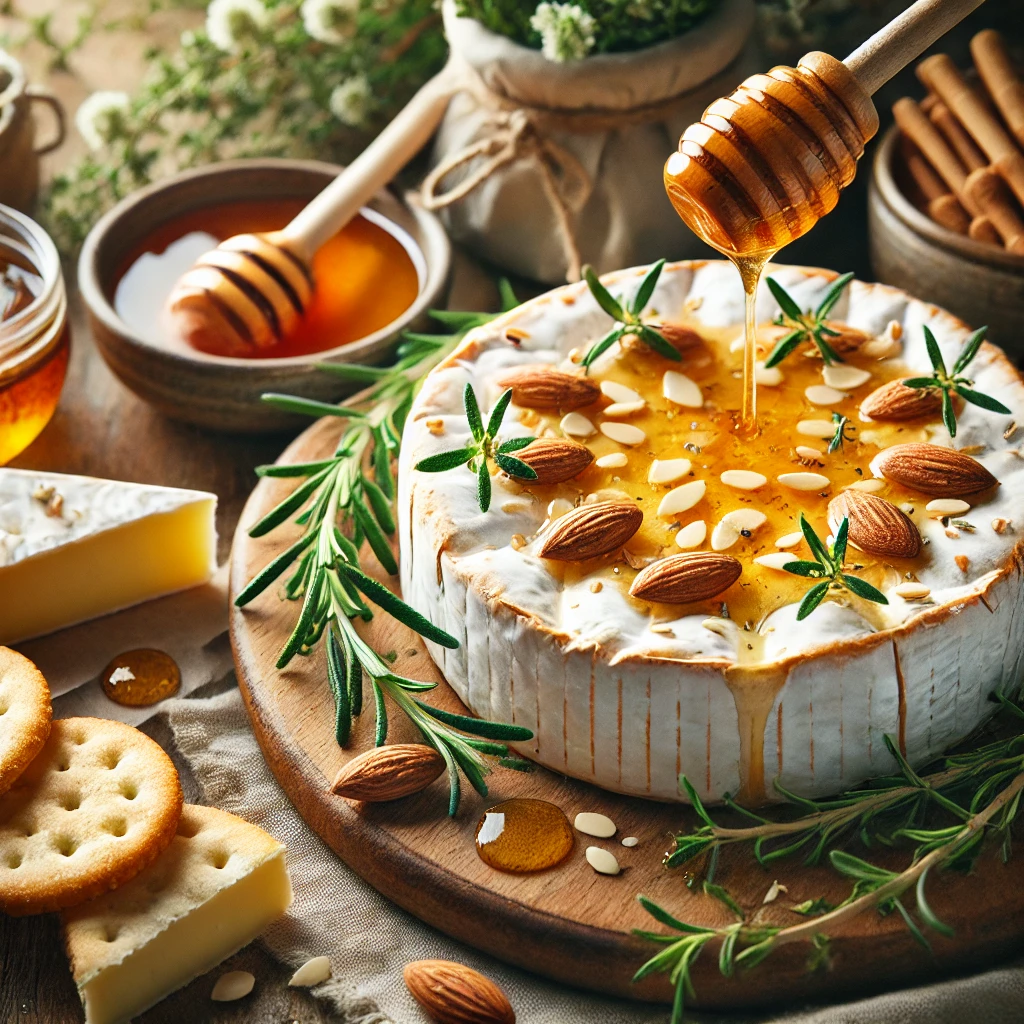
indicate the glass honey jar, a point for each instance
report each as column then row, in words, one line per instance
column 34, row 335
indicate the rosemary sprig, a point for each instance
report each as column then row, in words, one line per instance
column 842, row 426
column 827, row 567
column 954, row 382
column 342, row 501
column 809, row 326
column 627, row 316
column 980, row 790
column 484, row 449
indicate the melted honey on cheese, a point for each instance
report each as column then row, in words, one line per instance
column 712, row 439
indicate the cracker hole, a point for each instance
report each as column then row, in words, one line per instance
column 3, row 709
column 110, row 933
column 63, row 766
column 65, row 845
column 29, row 831
column 156, row 885
column 219, row 859
column 116, row 827
column 111, row 759
column 78, row 739
column 129, row 790
column 71, row 801
column 187, row 830
column 14, row 860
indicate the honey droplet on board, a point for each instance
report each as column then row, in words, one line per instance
column 142, row 677
column 524, row 835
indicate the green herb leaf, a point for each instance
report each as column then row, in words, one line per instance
column 515, row 444
column 646, row 289
column 480, row 726
column 863, row 589
column 652, row 339
column 786, row 301
column 811, row 600
column 599, row 348
column 970, row 350
column 812, row 570
column 498, row 413
column 476, row 425
column 948, row 415
column 835, row 290
column 515, row 467
column 982, row 400
column 934, row 352
column 784, row 346
column 444, row 461
column 602, row 296
column 483, row 486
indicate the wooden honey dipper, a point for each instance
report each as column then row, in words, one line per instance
column 764, row 164
column 251, row 291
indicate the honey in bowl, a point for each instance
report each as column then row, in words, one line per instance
column 365, row 277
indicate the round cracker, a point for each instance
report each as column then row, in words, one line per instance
column 99, row 803
column 25, row 714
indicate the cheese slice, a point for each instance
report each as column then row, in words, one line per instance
column 73, row 547
column 219, row 884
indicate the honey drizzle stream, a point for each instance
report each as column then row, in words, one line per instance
column 753, row 690
column 750, row 268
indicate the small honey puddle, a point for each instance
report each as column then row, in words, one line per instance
column 141, row 677
column 523, row 835
column 754, row 689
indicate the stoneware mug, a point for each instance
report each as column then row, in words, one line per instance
column 19, row 152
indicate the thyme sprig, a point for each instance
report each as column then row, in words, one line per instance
column 484, row 449
column 827, row 567
column 842, row 425
column 979, row 790
column 948, row 383
column 342, row 501
column 811, row 325
column 628, row 316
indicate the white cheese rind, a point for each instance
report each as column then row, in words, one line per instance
column 615, row 703
column 75, row 547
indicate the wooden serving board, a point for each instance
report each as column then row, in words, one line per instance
column 569, row 923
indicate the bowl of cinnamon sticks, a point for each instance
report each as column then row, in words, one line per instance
column 946, row 206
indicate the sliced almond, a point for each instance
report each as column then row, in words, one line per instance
column 558, row 507
column 776, row 560
column 939, row 507
column 312, row 972
column 743, row 479
column 681, row 498
column 231, row 986
column 591, row 530
column 789, row 540
column 593, row 824
column 667, row 471
column 620, row 410
column 931, row 469
column 876, row 525
column 681, row 390
column 912, row 591
column 452, row 993
column 822, row 394
column 816, row 428
column 845, row 378
column 614, row 460
column 577, row 425
column 870, row 486
column 602, row 861
column 809, row 454
column 680, row 579
column 804, row 481
column 542, row 387
column 692, row 535
column 619, row 392
column 732, row 526
column 389, row 772
column 624, row 433
column 767, row 376
column 895, row 402
column 555, row 460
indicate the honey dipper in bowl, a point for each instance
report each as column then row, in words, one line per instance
column 765, row 163
column 250, row 292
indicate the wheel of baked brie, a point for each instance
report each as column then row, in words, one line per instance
column 630, row 606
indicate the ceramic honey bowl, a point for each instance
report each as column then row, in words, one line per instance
column 381, row 275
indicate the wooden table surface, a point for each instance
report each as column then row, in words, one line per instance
column 102, row 429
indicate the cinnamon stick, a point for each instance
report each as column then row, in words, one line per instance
column 953, row 132
column 942, row 76
column 941, row 205
column 988, row 190
column 1001, row 79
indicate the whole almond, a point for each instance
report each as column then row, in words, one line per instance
column 543, row 387
column 876, row 525
column 895, row 402
column 682, row 339
column 931, row 469
column 555, row 460
column 454, row 994
column 680, row 579
column 592, row 530
column 849, row 338
column 388, row 773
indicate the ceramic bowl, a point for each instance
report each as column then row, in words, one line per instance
column 218, row 392
column 979, row 283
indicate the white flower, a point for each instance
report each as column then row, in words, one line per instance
column 566, row 30
column 350, row 101
column 329, row 21
column 230, row 22
column 100, row 118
